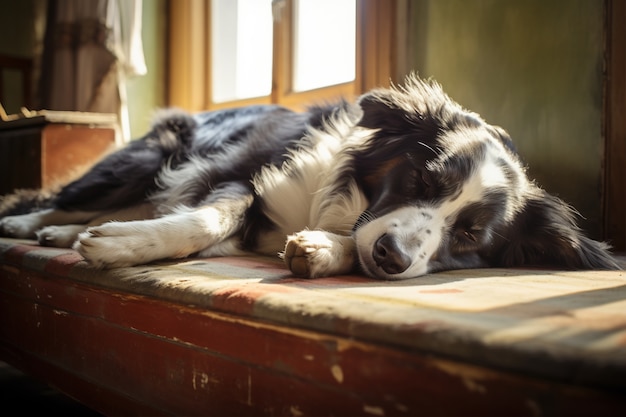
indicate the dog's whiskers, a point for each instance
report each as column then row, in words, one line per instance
column 364, row 218
column 428, row 147
column 502, row 236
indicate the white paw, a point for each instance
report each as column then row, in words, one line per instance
column 22, row 227
column 315, row 253
column 59, row 236
column 115, row 244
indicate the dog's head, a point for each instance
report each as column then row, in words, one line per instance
column 446, row 190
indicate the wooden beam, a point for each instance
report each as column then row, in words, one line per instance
column 188, row 46
column 614, row 204
column 376, row 27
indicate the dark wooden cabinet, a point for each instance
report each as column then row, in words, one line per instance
column 44, row 150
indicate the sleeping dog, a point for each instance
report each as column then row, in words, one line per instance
column 403, row 183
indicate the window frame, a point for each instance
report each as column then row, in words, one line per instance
column 189, row 63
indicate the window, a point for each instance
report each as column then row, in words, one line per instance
column 226, row 53
column 241, row 49
column 324, row 43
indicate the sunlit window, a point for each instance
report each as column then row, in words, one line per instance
column 322, row 46
column 241, row 42
column 231, row 53
column 324, row 43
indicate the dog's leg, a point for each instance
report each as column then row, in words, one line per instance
column 316, row 253
column 177, row 235
column 24, row 226
column 64, row 236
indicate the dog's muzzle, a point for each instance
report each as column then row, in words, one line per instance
column 389, row 255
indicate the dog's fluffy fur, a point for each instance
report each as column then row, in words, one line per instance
column 403, row 183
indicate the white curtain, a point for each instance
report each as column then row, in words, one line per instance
column 96, row 45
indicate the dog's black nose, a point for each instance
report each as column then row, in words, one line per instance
column 389, row 256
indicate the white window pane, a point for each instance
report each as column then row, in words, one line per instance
column 241, row 42
column 324, row 43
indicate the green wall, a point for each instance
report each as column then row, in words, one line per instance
column 16, row 17
column 17, row 39
column 533, row 67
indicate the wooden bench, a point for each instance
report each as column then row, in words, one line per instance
column 242, row 336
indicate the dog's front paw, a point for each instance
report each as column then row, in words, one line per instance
column 114, row 245
column 315, row 253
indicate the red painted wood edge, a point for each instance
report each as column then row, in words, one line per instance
column 97, row 397
column 177, row 359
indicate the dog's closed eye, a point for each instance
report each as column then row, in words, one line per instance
column 470, row 236
column 467, row 238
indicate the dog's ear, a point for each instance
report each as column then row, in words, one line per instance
column 545, row 233
column 380, row 113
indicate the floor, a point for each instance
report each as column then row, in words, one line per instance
column 30, row 397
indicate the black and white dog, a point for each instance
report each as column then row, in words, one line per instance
column 404, row 183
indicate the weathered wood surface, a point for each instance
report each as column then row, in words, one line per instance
column 241, row 336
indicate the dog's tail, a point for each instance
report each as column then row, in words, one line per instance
column 173, row 129
column 24, row 201
column 127, row 176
